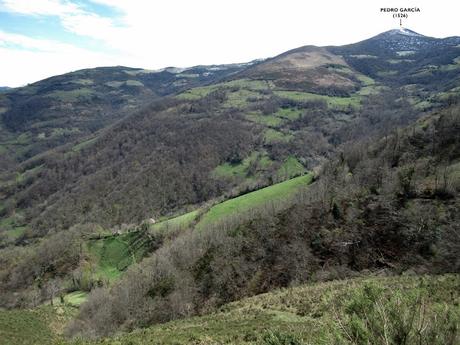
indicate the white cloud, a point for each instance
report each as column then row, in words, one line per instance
column 40, row 7
column 24, row 59
column 72, row 16
column 36, row 44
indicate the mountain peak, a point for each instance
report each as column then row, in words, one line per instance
column 403, row 39
column 400, row 33
column 404, row 32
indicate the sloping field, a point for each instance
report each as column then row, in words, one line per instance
column 246, row 202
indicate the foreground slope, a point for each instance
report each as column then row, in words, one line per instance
column 351, row 311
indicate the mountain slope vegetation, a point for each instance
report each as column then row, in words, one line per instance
column 70, row 107
column 195, row 190
column 392, row 205
column 323, row 313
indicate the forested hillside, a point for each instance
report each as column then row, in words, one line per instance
column 390, row 205
column 63, row 109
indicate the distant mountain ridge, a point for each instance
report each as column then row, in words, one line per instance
column 402, row 40
column 63, row 108
column 407, row 40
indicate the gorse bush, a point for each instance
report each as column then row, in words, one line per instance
column 379, row 317
column 278, row 338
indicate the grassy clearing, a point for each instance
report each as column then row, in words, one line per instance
column 180, row 222
column 231, row 170
column 82, row 81
column 323, row 313
column 84, row 144
column 387, row 73
column 131, row 82
column 73, row 95
column 113, row 254
column 253, row 200
column 423, row 105
column 13, row 226
column 20, row 177
column 267, row 120
column 333, row 102
column 72, row 299
column 76, row 298
column 290, row 168
column 405, row 53
column 371, row 90
column 255, row 85
column 288, row 113
column 364, row 56
column 240, row 170
column 365, row 80
column 274, row 136
column 16, row 232
column 450, row 67
column 197, row 92
column 239, row 98
column 114, row 84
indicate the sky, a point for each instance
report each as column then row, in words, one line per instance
column 42, row 38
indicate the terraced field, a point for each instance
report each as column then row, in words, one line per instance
column 111, row 255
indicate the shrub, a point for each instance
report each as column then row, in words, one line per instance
column 379, row 317
column 278, row 338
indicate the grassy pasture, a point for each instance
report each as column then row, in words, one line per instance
column 228, row 170
column 73, row 95
column 290, row 168
column 274, row 136
column 113, row 254
column 183, row 221
column 333, row 102
column 84, row 144
column 289, row 113
column 267, row 120
column 253, row 200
